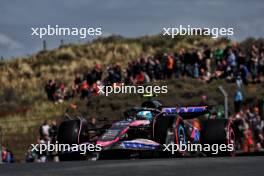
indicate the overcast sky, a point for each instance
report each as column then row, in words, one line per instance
column 125, row 17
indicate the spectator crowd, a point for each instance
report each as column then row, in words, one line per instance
column 230, row 63
column 249, row 130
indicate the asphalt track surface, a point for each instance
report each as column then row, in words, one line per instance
column 235, row 166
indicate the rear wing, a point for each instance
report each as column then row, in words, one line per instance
column 187, row 111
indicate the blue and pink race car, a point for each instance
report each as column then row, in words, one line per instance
column 146, row 130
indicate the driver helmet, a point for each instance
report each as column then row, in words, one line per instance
column 145, row 115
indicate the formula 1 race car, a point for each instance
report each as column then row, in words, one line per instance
column 150, row 128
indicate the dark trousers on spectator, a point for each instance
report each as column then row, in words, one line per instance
column 238, row 105
column 169, row 73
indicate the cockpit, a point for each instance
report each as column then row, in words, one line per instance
column 141, row 114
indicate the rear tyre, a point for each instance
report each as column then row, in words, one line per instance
column 218, row 132
column 169, row 129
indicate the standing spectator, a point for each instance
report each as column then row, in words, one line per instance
column 243, row 73
column 76, row 85
column 261, row 63
column 77, row 80
column 231, row 63
column 255, row 123
column 4, row 154
column 114, row 74
column 96, row 74
column 136, row 67
column 117, row 73
column 239, row 81
column 61, row 93
column 128, row 74
column 142, row 63
column 84, row 89
column 182, row 61
column 188, row 63
column 254, row 63
column 163, row 62
column 44, row 130
column 158, row 70
column 50, row 89
column 241, row 58
column 150, row 68
column 53, row 138
column 239, row 126
column 169, row 66
column 218, row 55
column 53, row 131
column 177, row 66
column 248, row 139
column 207, row 58
column 238, row 100
column 196, row 71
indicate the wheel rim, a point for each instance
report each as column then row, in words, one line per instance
column 170, row 139
column 176, row 135
column 181, row 134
